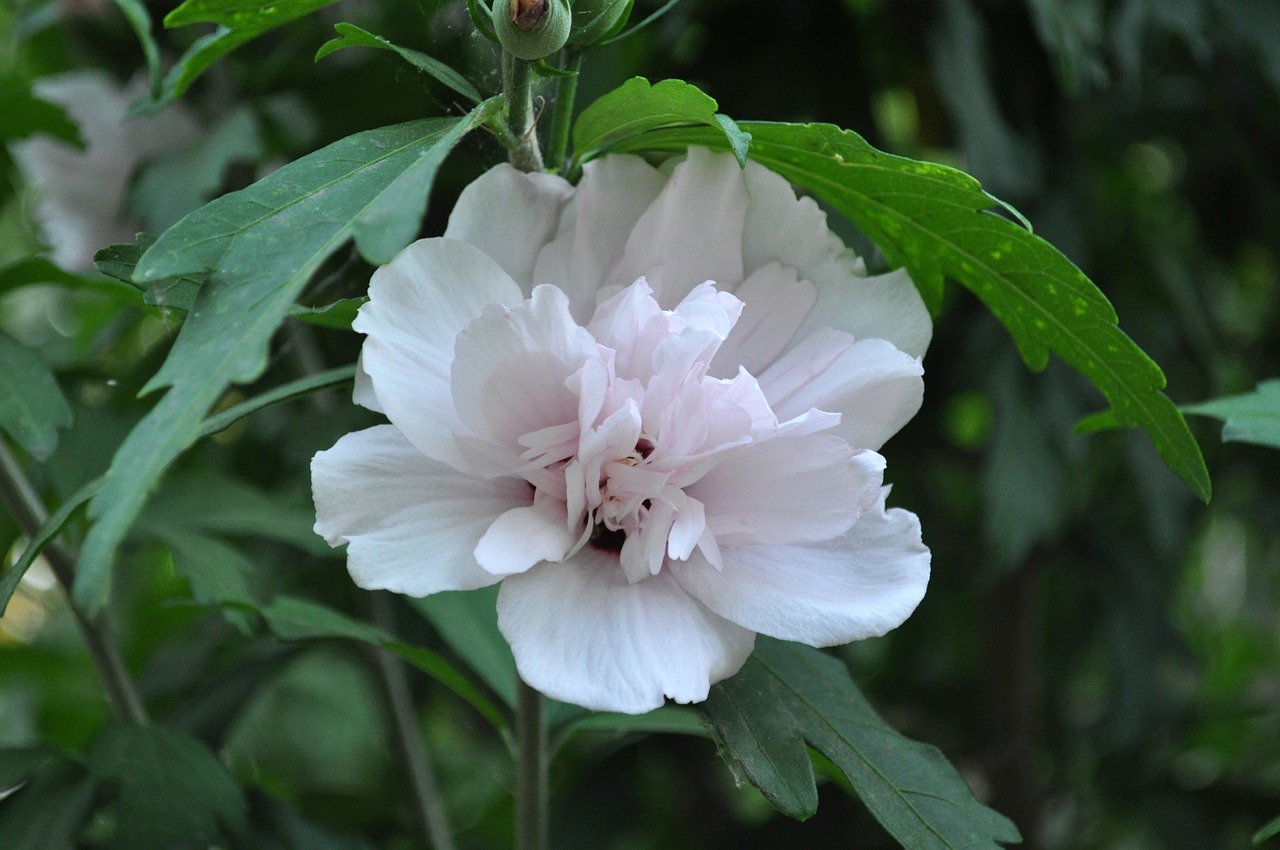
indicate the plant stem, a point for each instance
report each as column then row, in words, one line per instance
column 517, row 85
column 531, row 770
column 29, row 511
column 562, row 118
column 431, row 818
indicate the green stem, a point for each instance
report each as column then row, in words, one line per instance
column 430, row 815
column 562, row 118
column 517, row 80
column 531, row 771
column 25, row 506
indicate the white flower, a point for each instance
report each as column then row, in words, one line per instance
column 650, row 407
column 80, row 193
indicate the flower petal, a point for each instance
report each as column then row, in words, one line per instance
column 612, row 195
column 582, row 634
column 788, row 490
column 417, row 305
column 510, row 215
column 411, row 523
column 523, row 536
column 691, row 233
column 775, row 303
column 874, row 387
column 779, row 227
column 857, row 586
column 509, row 376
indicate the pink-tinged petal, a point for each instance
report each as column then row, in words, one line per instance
column 780, row 227
column 776, row 303
column 788, row 490
column 510, row 373
column 417, row 304
column 874, row 387
column 510, row 215
column 857, row 586
column 411, row 523
column 691, row 233
column 582, row 634
column 523, row 536
column 612, row 195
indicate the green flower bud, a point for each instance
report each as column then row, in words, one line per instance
column 532, row 29
column 594, row 19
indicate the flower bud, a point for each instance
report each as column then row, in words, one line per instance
column 532, row 29
column 594, row 19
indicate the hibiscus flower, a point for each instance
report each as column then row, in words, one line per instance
column 650, row 406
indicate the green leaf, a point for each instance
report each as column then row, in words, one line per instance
column 32, row 407
column 468, row 623
column 135, row 12
column 224, row 419
column 638, row 107
column 217, row 573
column 239, row 21
column 1269, row 831
column 258, row 247
column 121, row 261
column 1250, row 418
column 17, row 763
column 173, row 790
column 51, row 528
column 300, row 619
column 787, row 695
column 36, row 270
column 339, row 315
column 25, row 114
column 350, row 35
column 938, row 222
column 47, row 813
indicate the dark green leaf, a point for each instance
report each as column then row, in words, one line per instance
column 638, row 107
column 787, row 695
column 32, row 408
column 338, row 315
column 258, row 247
column 937, row 222
column 239, row 21
column 173, row 790
column 135, row 12
column 25, row 114
column 224, row 419
column 669, row 719
column 350, row 35
column 35, row 270
column 468, row 623
column 121, row 261
column 52, row 526
column 17, row 763
column 218, row 574
column 1250, row 418
column 300, row 619
column 1271, row 830
column 47, row 813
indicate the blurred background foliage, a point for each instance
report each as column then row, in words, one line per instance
column 1098, row 653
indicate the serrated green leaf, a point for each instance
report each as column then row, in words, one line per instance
column 173, row 790
column 258, row 247
column 239, row 21
column 788, row 695
column 217, row 573
column 300, row 619
column 47, row 813
column 350, row 35
column 121, row 261
column 938, row 223
column 1249, row 418
column 32, row 407
column 637, row 106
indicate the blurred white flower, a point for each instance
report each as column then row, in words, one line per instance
column 80, row 193
column 650, row 406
